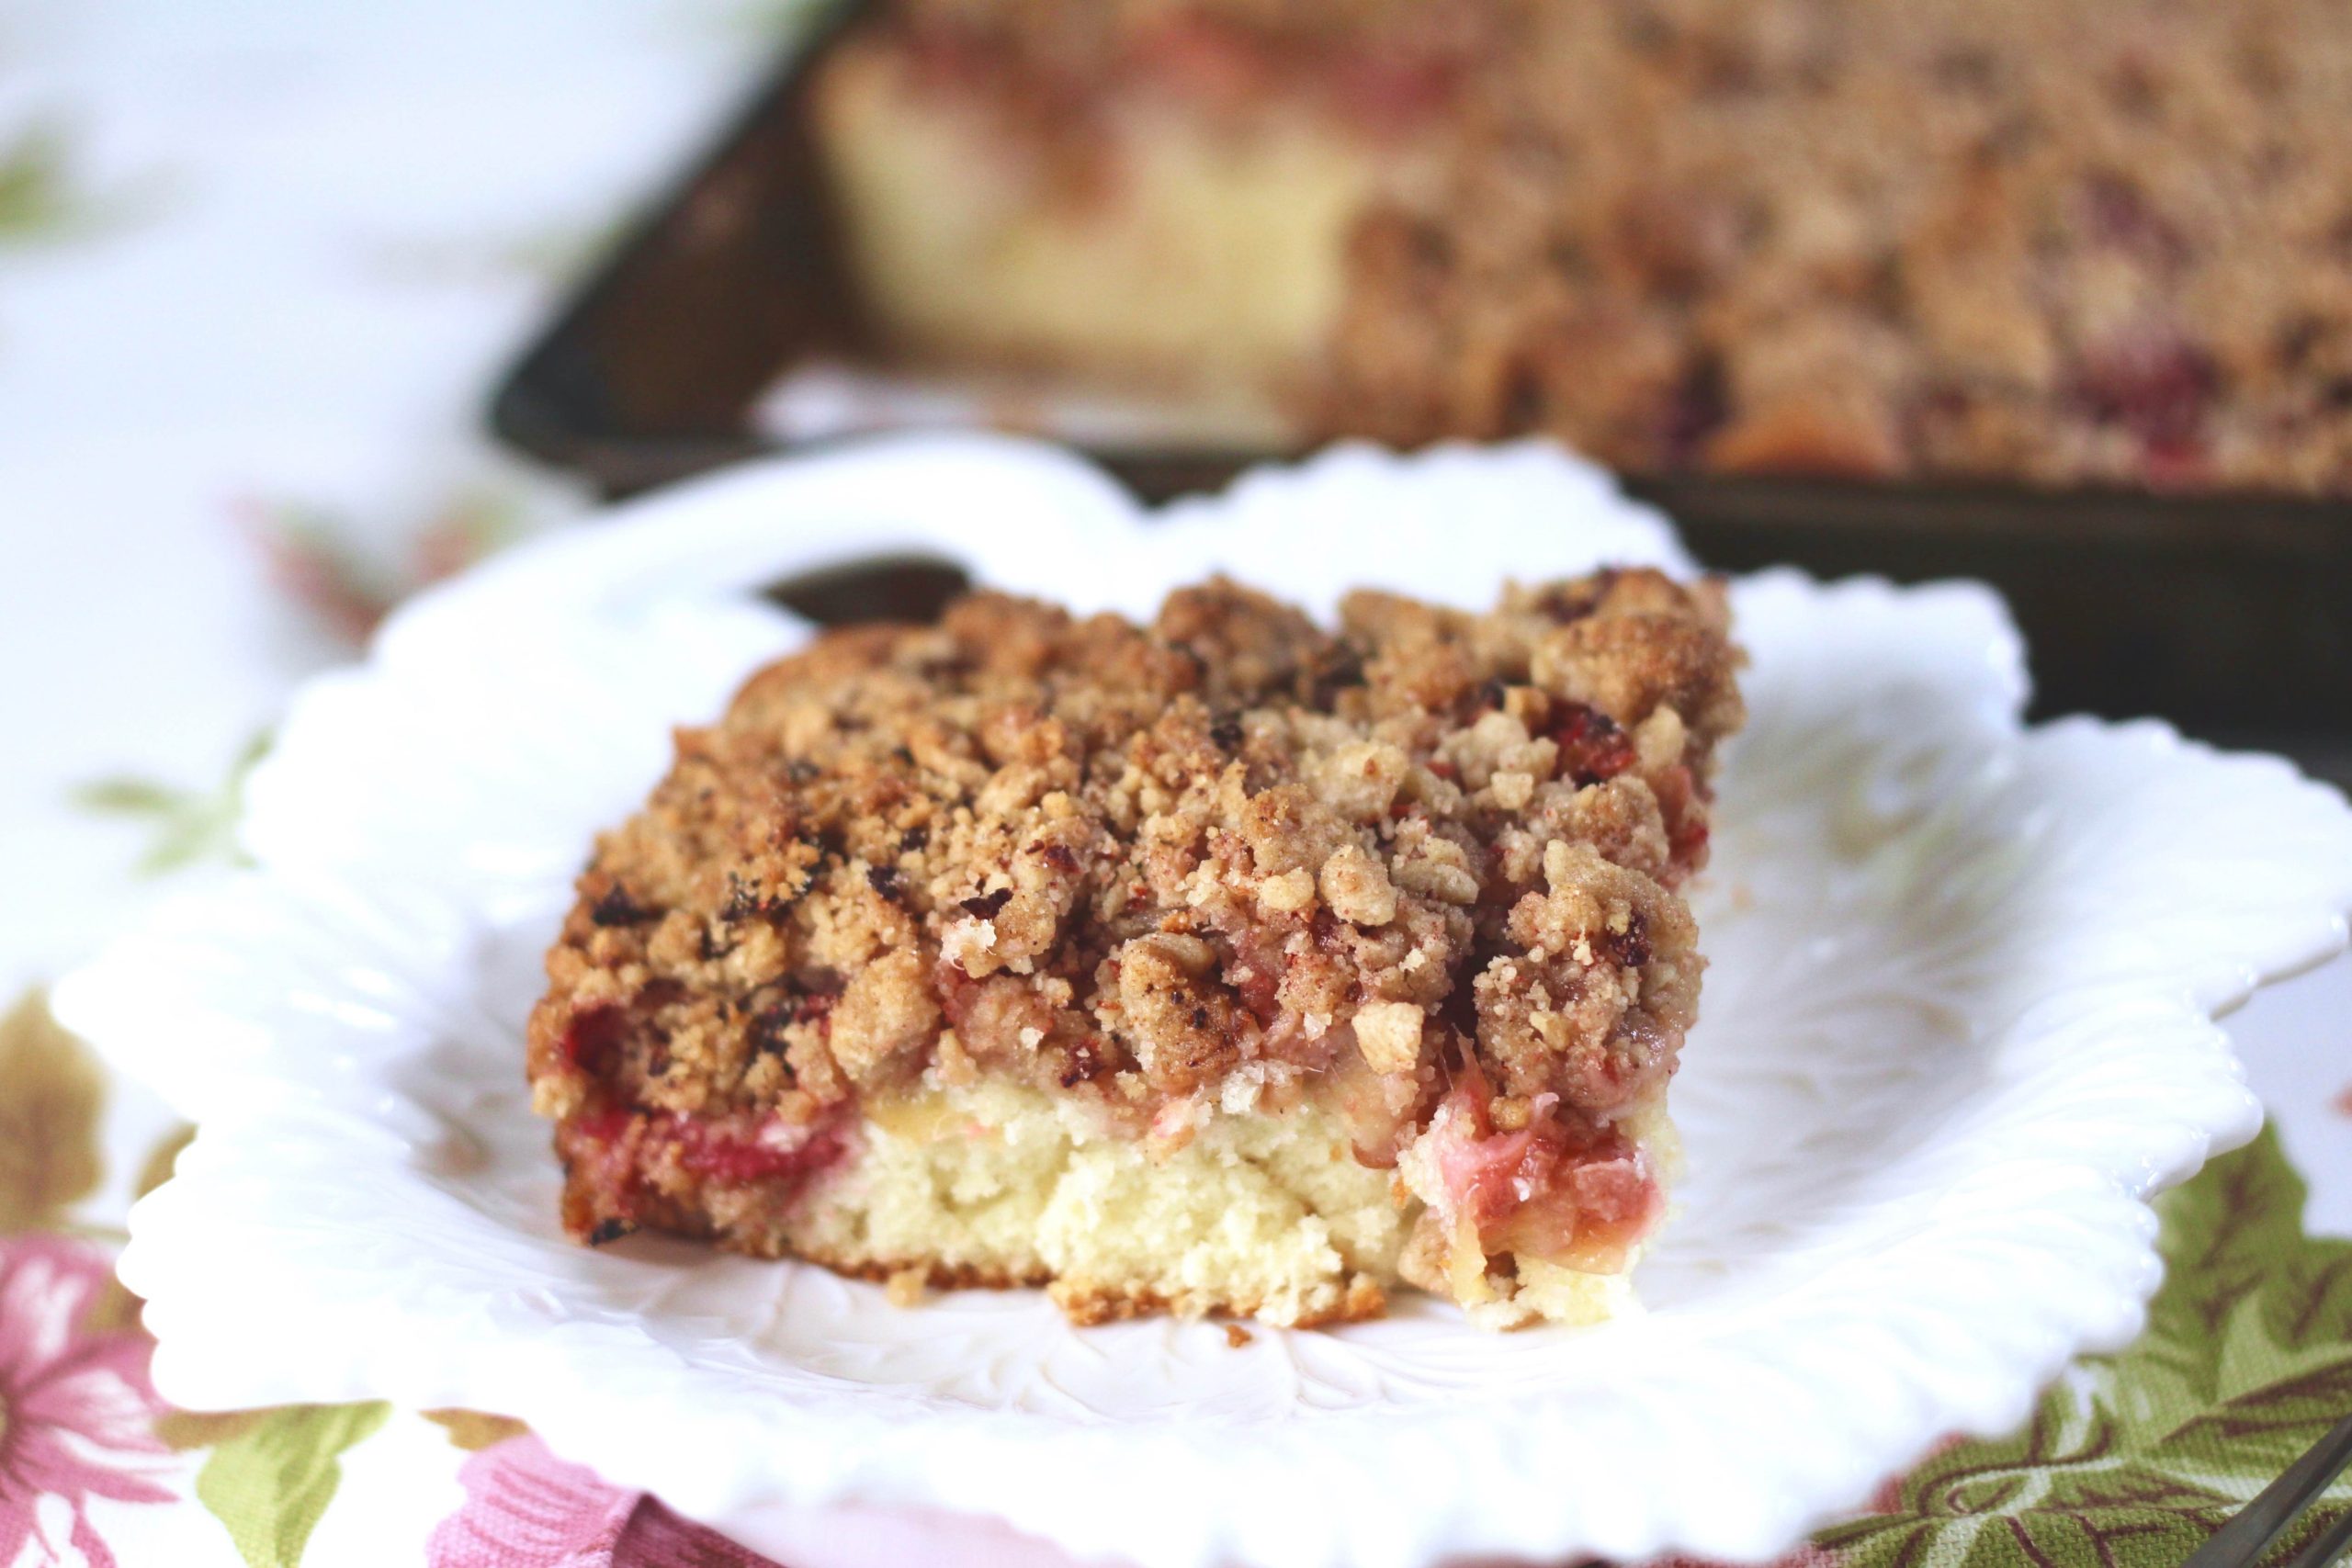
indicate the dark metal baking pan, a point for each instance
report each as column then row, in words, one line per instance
column 2230, row 616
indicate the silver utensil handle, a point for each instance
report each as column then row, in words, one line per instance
column 2251, row 1533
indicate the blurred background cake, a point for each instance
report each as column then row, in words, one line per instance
column 2066, row 241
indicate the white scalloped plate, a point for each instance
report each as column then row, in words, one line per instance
column 1958, row 1027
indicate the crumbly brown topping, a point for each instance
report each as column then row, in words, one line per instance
column 1225, row 857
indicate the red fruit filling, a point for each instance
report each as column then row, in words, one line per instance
column 1199, row 57
column 1681, row 801
column 741, row 1151
column 1256, row 975
column 593, row 1035
column 619, row 1150
column 1393, row 91
column 1592, row 747
column 1578, row 1195
column 1366, row 1105
column 1384, row 89
column 2156, row 384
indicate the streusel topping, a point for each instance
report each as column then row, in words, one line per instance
column 1224, row 857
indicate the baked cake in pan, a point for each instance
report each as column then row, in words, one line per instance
column 1222, row 964
column 2063, row 241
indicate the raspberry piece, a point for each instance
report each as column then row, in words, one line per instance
column 592, row 1038
column 1592, row 746
column 2154, row 383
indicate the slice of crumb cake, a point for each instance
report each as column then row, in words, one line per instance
column 1226, row 964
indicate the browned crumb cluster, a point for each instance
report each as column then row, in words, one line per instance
column 1225, row 863
column 2057, row 240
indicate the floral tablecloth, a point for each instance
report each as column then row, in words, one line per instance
column 258, row 263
